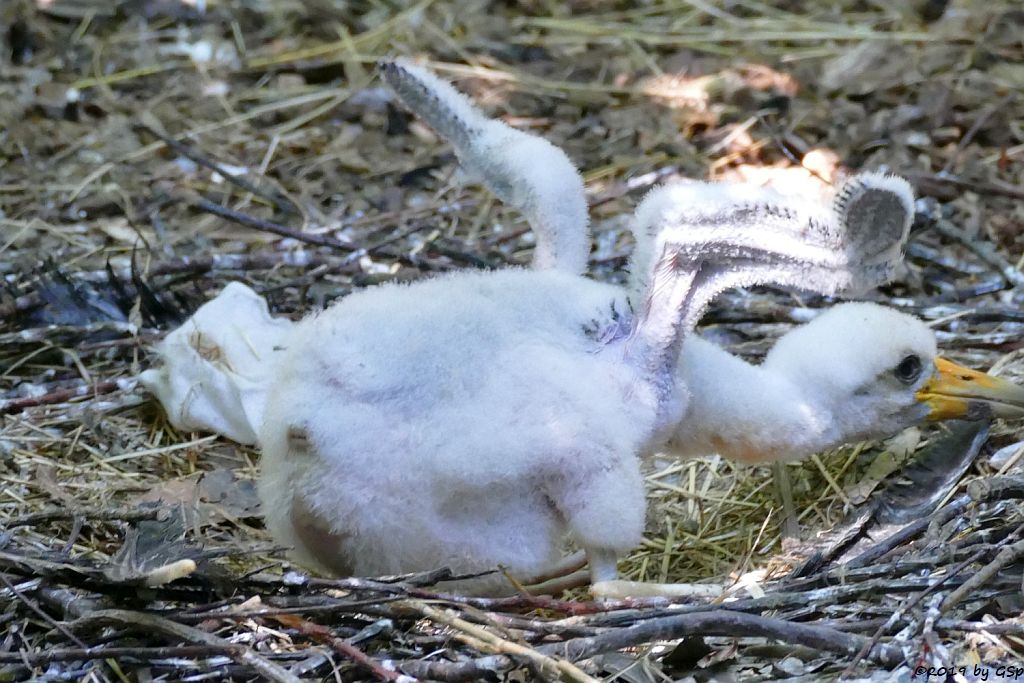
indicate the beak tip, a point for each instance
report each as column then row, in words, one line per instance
column 957, row 392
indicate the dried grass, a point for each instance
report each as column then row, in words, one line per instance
column 287, row 102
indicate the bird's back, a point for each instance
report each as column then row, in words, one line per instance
column 458, row 396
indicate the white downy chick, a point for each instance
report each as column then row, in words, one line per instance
column 472, row 420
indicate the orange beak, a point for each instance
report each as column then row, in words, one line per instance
column 956, row 392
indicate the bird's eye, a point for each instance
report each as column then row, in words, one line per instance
column 908, row 370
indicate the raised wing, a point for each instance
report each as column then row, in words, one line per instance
column 701, row 239
column 523, row 170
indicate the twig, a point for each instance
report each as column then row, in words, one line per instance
column 254, row 261
column 996, row 628
column 267, row 226
column 323, row 635
column 850, row 534
column 980, row 121
column 187, row 151
column 477, row 669
column 722, row 622
column 153, row 623
column 907, row 533
column 982, row 188
column 1004, row 557
column 952, row 574
column 51, row 333
column 143, row 654
column 133, row 515
column 382, row 247
column 566, row 670
column 39, row 612
column 983, row 250
column 996, row 488
column 707, row 623
column 71, row 604
column 377, row 605
column 16, row 405
column 520, row 601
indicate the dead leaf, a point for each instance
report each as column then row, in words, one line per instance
column 207, row 498
column 236, row 497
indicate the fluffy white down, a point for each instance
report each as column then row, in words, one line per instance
column 825, row 383
column 536, row 177
column 848, row 344
column 464, row 421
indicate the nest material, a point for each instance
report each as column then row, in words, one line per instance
column 154, row 152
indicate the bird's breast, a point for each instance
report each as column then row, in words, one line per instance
column 743, row 450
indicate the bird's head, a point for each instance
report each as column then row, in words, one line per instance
column 878, row 372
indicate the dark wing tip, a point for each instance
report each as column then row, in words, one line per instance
column 391, row 71
column 876, row 210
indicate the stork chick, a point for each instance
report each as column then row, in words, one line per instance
column 474, row 419
column 857, row 371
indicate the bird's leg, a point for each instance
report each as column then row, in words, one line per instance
column 567, row 565
column 605, row 584
column 603, row 564
column 790, row 526
column 602, row 501
column 604, row 572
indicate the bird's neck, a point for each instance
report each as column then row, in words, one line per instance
column 745, row 412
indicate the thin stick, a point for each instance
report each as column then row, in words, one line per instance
column 278, row 202
column 323, row 634
column 50, row 333
column 39, row 612
column 708, row 623
column 723, row 623
column 153, row 623
column 544, row 662
column 144, row 654
column 16, row 405
column 983, row 250
column 1004, row 557
column 267, row 226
